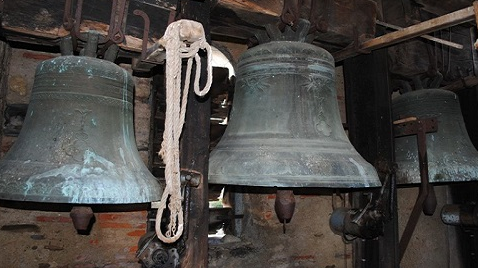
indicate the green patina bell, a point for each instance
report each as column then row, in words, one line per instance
column 77, row 144
column 285, row 128
column 451, row 155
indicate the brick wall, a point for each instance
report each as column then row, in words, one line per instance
column 32, row 238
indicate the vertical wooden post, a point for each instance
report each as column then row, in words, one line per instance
column 370, row 129
column 195, row 149
column 4, row 64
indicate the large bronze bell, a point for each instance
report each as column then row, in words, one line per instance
column 77, row 144
column 451, row 155
column 285, row 129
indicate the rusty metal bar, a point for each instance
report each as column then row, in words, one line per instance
column 290, row 13
column 67, row 18
column 147, row 22
column 115, row 32
column 426, row 200
column 77, row 22
column 445, row 21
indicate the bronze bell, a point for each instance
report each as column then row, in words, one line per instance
column 451, row 155
column 285, row 128
column 77, row 144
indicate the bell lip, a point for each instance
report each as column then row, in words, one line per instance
column 357, row 172
column 369, row 182
column 136, row 186
column 67, row 207
column 404, row 179
column 66, row 200
column 414, row 183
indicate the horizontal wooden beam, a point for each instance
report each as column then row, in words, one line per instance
column 445, row 21
column 41, row 22
column 425, row 36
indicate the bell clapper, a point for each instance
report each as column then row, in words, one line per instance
column 284, row 206
column 81, row 217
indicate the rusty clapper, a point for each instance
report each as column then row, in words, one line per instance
column 285, row 128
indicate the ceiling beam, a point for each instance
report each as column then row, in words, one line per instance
column 445, row 21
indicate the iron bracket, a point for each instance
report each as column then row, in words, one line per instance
column 319, row 19
column 190, row 177
column 115, row 32
column 290, row 14
column 147, row 22
column 68, row 21
column 414, row 126
column 143, row 63
column 426, row 200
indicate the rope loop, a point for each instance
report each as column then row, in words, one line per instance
column 182, row 40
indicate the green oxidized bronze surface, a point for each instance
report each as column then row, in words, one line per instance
column 285, row 128
column 451, row 155
column 77, row 144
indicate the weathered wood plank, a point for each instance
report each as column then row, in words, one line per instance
column 235, row 19
column 195, row 150
column 428, row 26
column 346, row 20
column 43, row 20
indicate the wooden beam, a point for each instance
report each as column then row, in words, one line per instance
column 425, row 36
column 195, row 150
column 41, row 22
column 445, row 21
column 4, row 64
column 269, row 7
column 368, row 100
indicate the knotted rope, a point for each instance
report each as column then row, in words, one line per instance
column 182, row 39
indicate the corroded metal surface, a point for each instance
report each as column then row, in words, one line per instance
column 426, row 200
column 451, row 155
column 465, row 215
column 77, row 144
column 285, row 127
column 284, row 206
column 81, row 217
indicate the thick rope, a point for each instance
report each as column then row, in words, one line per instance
column 182, row 39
